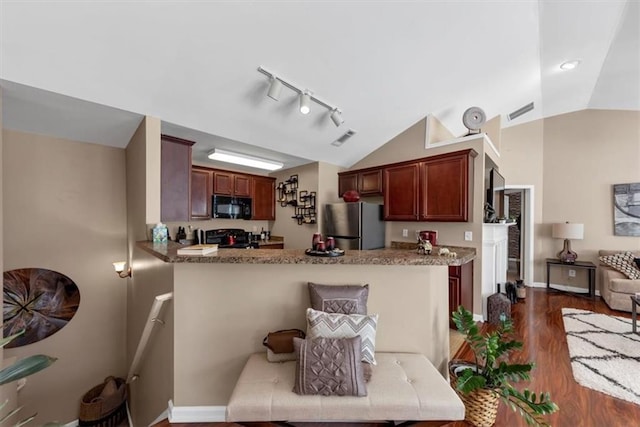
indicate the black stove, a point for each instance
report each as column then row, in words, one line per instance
column 230, row 238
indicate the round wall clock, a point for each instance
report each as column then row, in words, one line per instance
column 473, row 118
column 38, row 300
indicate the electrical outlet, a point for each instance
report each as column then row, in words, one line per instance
column 405, row 232
column 468, row 236
column 572, row 273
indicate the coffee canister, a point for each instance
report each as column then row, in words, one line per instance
column 330, row 243
column 314, row 242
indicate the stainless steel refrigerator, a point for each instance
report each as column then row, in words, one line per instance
column 354, row 225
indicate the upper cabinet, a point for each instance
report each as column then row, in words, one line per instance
column 445, row 187
column 231, row 184
column 264, row 196
column 206, row 182
column 201, row 191
column 175, row 173
column 401, row 185
column 433, row 188
column 367, row 182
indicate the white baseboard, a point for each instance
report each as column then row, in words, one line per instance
column 567, row 288
column 478, row 317
column 196, row 414
column 72, row 424
column 163, row 416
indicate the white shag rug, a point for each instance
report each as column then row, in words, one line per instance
column 605, row 354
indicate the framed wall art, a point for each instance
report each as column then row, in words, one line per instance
column 626, row 209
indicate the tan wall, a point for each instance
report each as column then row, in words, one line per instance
column 522, row 163
column 223, row 311
column 585, row 153
column 150, row 393
column 65, row 210
column 573, row 160
column 296, row 236
column 327, row 188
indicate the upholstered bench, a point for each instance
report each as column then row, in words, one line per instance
column 403, row 386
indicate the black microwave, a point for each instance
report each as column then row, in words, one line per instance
column 231, row 207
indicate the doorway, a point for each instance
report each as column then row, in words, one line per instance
column 519, row 205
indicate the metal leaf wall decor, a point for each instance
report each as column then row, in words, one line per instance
column 38, row 300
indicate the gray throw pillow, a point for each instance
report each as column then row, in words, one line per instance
column 329, row 367
column 343, row 299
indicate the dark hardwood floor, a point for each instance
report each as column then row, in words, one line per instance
column 538, row 322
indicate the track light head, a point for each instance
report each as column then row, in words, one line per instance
column 305, row 102
column 275, row 89
column 336, row 117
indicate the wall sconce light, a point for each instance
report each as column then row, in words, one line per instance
column 305, row 96
column 119, row 267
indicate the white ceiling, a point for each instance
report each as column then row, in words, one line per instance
column 90, row 70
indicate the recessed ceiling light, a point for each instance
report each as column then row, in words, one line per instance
column 570, row 65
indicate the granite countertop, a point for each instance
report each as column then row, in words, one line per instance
column 167, row 253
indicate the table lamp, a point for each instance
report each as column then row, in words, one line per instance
column 567, row 231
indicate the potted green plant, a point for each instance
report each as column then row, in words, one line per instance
column 18, row 370
column 482, row 383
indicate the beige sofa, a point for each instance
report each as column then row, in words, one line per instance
column 615, row 287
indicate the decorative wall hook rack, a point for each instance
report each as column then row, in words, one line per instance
column 304, row 202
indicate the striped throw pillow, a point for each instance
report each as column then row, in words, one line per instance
column 623, row 262
column 334, row 325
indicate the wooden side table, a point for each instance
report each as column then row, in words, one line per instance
column 591, row 267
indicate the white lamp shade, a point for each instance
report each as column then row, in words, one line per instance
column 568, row 231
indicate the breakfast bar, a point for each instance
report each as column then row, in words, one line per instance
column 225, row 303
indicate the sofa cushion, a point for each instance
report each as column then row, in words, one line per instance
column 623, row 262
column 625, row 286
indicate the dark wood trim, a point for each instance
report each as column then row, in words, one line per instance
column 177, row 140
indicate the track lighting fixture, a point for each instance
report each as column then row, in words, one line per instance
column 305, row 96
column 336, row 117
column 275, row 88
column 305, row 102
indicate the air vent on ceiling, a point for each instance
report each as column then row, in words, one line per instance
column 520, row 111
column 343, row 138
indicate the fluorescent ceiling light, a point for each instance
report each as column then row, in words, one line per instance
column 242, row 159
column 570, row 65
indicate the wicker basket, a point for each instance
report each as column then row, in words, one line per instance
column 480, row 406
column 104, row 411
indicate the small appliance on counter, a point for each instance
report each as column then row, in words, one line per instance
column 235, row 238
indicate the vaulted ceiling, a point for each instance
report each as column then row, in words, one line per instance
column 90, row 70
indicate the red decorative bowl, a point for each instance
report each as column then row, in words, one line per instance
column 351, row 196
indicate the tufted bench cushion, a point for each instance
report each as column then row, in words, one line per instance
column 403, row 386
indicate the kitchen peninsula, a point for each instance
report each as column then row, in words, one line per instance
column 225, row 303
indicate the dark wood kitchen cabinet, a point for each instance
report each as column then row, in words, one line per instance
column 201, row 191
column 430, row 189
column 264, row 197
column 460, row 288
column 231, row 184
column 445, row 187
column 175, row 178
column 401, row 185
column 367, row 182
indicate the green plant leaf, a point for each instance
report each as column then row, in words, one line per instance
column 469, row 381
column 25, row 367
column 25, row 421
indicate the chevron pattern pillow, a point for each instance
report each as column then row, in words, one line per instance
column 623, row 262
column 334, row 325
